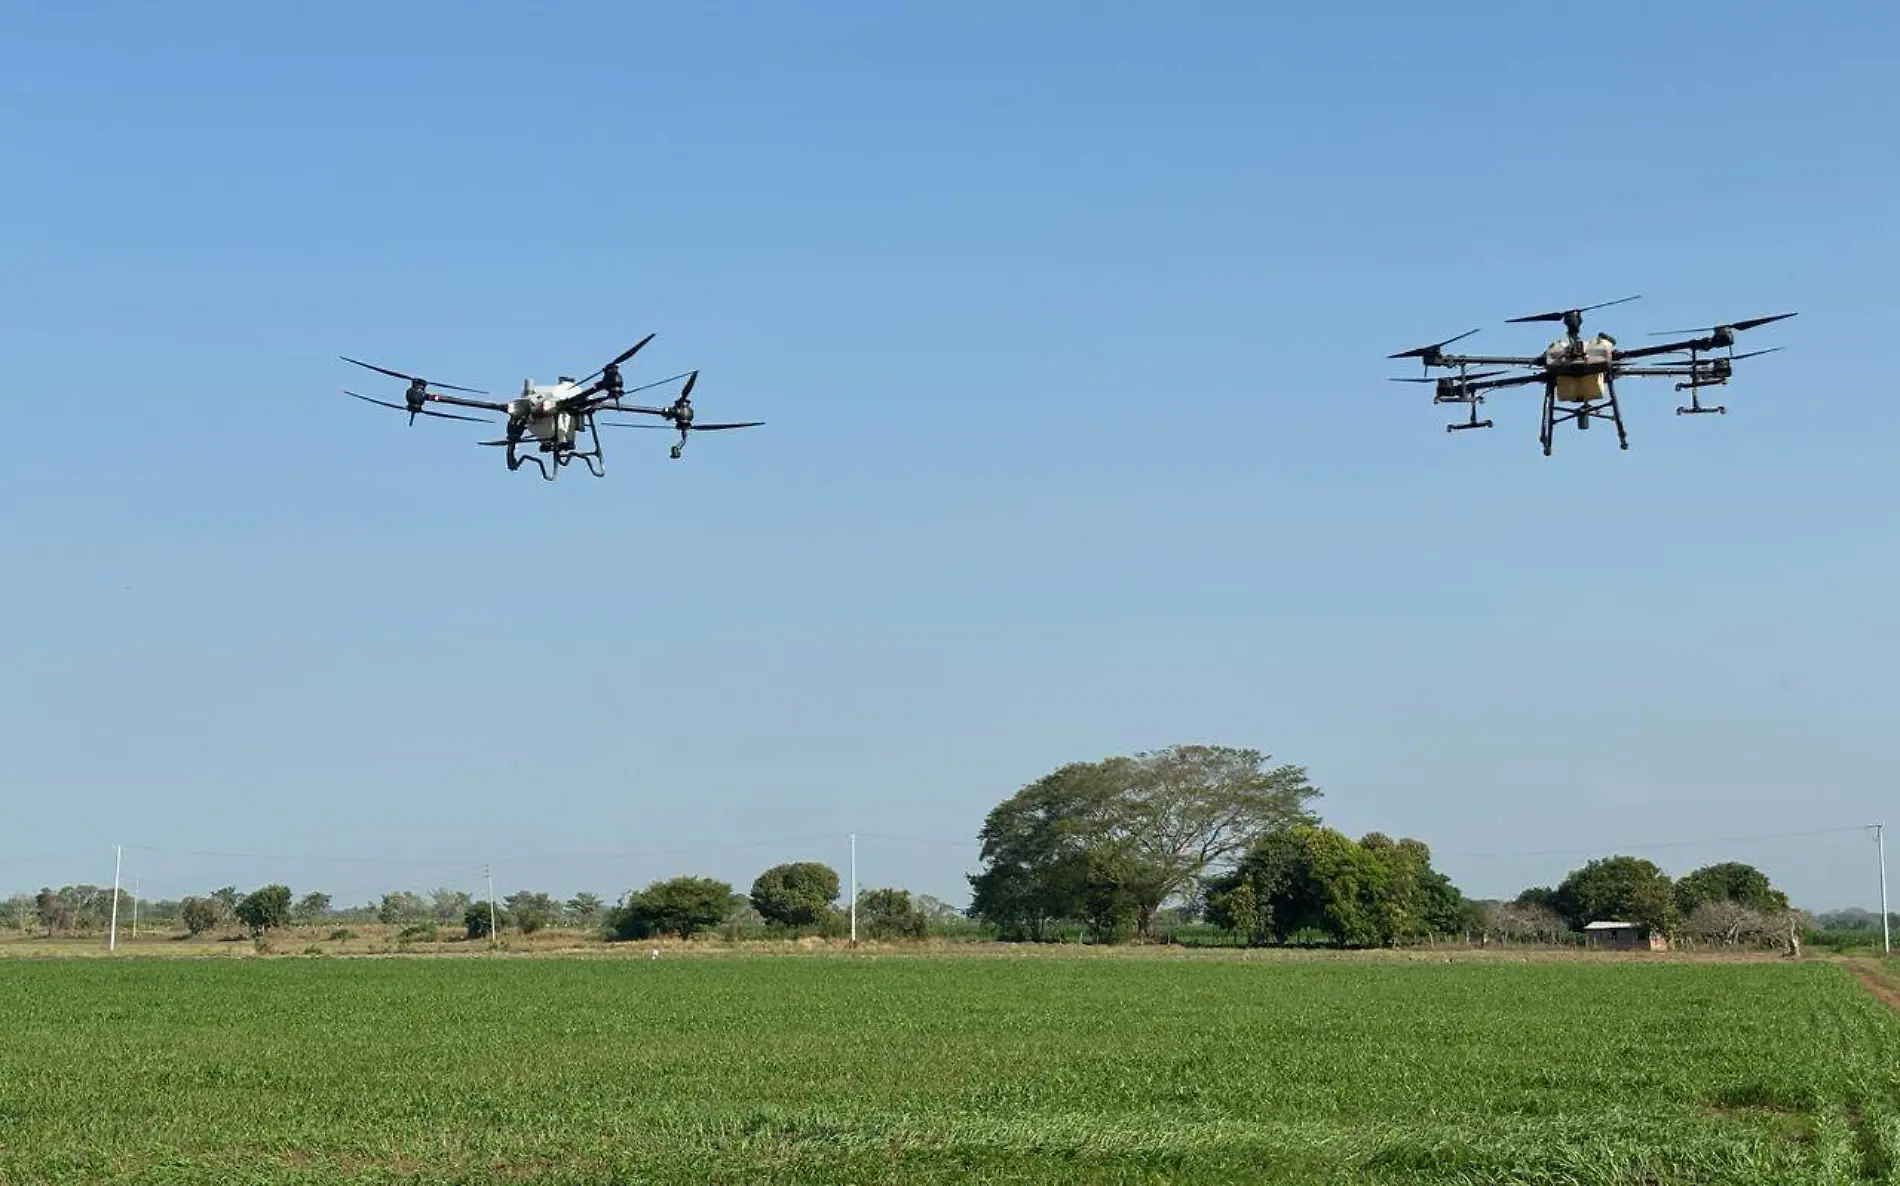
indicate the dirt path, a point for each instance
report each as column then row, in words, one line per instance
column 1876, row 980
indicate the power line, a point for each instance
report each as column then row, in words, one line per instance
column 1655, row 845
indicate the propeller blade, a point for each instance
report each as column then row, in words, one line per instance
column 1472, row 377
column 688, row 389
column 1753, row 353
column 1423, row 351
column 1560, row 314
column 412, row 378
column 689, row 428
column 1737, row 326
column 631, row 350
column 624, row 355
column 660, row 382
column 420, row 411
column 385, row 403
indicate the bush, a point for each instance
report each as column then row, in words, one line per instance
column 265, row 909
column 889, row 914
column 798, row 894
column 476, row 919
column 680, row 906
column 199, row 914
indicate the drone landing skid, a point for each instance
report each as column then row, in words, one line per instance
column 564, row 453
column 1472, row 420
column 1582, row 414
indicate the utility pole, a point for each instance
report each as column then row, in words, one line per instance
column 1880, row 841
column 854, row 889
column 112, row 931
column 489, row 873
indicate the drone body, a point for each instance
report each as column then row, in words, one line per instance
column 550, row 419
column 1579, row 375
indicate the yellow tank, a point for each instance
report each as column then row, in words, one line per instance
column 1580, row 389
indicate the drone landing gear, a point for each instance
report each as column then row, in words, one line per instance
column 1472, row 420
column 514, row 462
column 1582, row 414
column 1695, row 407
column 679, row 448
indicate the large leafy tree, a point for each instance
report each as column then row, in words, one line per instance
column 1110, row 841
column 1618, row 888
column 795, row 894
column 678, row 906
column 1729, row 881
column 264, row 909
column 1362, row 893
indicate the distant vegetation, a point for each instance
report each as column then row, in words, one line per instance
column 1195, row 844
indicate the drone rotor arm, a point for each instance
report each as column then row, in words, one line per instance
column 484, row 404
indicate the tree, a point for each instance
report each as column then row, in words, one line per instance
column 1729, row 881
column 1370, row 892
column 798, row 894
column 199, row 914
column 584, row 910
column 265, row 909
column 532, row 911
column 890, row 914
column 53, row 911
column 1101, row 839
column 1531, row 922
column 401, row 907
column 447, row 905
column 312, row 907
column 476, row 917
column 1721, row 920
column 677, row 906
column 1242, row 914
column 1621, row 889
column 1196, row 807
column 937, row 910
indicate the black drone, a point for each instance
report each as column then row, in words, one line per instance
column 1581, row 375
column 551, row 418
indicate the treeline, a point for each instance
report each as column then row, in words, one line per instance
column 789, row 900
column 1214, row 844
column 1196, row 844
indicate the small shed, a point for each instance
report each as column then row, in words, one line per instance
column 1622, row 936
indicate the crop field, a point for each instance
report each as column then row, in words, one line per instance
column 938, row 1069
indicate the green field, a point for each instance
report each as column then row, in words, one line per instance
column 941, row 1068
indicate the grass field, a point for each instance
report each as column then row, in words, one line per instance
column 938, row 1068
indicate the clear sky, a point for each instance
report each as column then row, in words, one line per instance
column 1069, row 322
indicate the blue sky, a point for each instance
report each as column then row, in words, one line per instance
column 1069, row 325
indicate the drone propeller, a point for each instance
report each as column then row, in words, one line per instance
column 686, row 427
column 1428, row 351
column 1460, row 379
column 412, row 378
column 624, row 355
column 413, row 412
column 1561, row 314
column 1734, row 327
